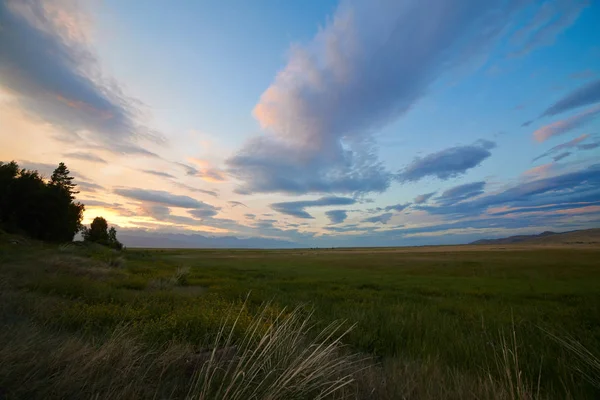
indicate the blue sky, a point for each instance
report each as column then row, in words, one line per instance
column 335, row 123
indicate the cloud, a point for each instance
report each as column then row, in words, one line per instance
column 337, row 216
column 81, row 155
column 54, row 75
column 397, row 207
column 583, row 96
column 359, row 73
column 250, row 216
column 46, row 169
column 551, row 19
column 526, row 123
column 585, row 74
column 189, row 170
column 158, row 173
column 561, row 127
column 560, row 156
column 206, row 211
column 379, row 219
column 422, row 198
column 563, row 146
column 206, row 171
column 156, row 211
column 194, row 189
column 461, row 192
column 578, row 186
column 161, row 197
column 448, row 163
column 543, row 170
column 89, row 186
column 236, row 203
column 297, row 208
column 589, row 146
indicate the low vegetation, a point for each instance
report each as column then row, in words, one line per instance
column 432, row 323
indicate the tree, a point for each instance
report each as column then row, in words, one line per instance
column 60, row 178
column 42, row 210
column 112, row 239
column 99, row 233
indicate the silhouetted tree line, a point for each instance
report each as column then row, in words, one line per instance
column 46, row 209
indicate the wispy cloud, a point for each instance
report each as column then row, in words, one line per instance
column 160, row 197
column 582, row 96
column 297, row 208
column 461, row 192
column 194, row 189
column 563, row 146
column 397, row 207
column 379, row 219
column 561, row 127
column 448, row 163
column 551, row 19
column 160, row 174
column 560, row 156
column 85, row 156
column 234, row 203
column 422, row 198
column 54, row 75
column 578, row 186
column 205, row 170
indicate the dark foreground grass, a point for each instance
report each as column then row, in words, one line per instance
column 433, row 322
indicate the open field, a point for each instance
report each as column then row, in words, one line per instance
column 432, row 319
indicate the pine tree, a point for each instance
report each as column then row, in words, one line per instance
column 60, row 178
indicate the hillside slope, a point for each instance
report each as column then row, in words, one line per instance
column 586, row 236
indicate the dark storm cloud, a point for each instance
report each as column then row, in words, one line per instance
column 297, row 208
column 448, row 163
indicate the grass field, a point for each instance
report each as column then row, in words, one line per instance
column 434, row 322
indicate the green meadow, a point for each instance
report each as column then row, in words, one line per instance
column 494, row 322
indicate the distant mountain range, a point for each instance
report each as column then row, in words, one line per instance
column 132, row 238
column 586, row 236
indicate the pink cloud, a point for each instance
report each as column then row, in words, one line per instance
column 541, row 171
column 563, row 126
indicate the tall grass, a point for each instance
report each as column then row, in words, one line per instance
column 274, row 359
column 588, row 363
column 278, row 363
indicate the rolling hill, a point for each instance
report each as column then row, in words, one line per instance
column 586, row 236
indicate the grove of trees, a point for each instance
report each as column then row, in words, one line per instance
column 45, row 209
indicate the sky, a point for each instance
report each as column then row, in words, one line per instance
column 310, row 124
